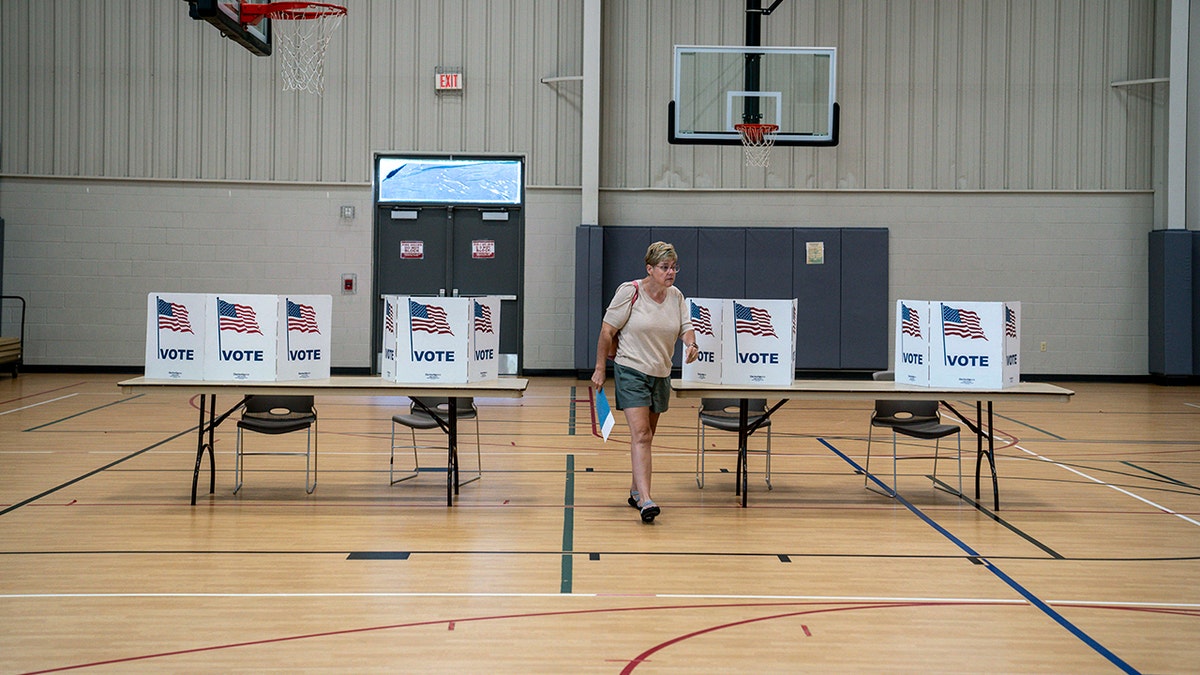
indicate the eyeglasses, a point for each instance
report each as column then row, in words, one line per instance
column 668, row 268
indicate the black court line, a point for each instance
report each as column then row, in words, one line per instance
column 990, row 514
column 81, row 413
column 1165, row 477
column 379, row 555
column 1030, row 426
column 93, row 472
column 592, row 555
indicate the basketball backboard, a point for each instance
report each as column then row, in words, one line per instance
column 225, row 15
column 716, row 88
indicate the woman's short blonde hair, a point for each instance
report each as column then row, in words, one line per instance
column 660, row 251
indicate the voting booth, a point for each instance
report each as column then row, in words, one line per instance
column 305, row 334
column 440, row 339
column 706, row 316
column 970, row 345
column 238, row 337
column 241, row 337
column 758, row 342
column 175, row 331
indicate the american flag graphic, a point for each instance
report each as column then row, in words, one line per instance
column 239, row 318
column 483, row 318
column 752, row 320
column 173, row 316
column 910, row 321
column 302, row 318
column 428, row 318
column 389, row 320
column 701, row 320
column 962, row 323
column 1010, row 322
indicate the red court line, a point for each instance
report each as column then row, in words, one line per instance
column 822, row 607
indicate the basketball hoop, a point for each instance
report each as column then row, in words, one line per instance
column 757, row 139
column 302, row 31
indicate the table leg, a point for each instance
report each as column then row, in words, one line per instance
column 212, row 445
column 208, row 401
column 976, row 427
column 452, row 460
column 992, row 459
column 199, row 448
column 743, row 468
column 978, row 445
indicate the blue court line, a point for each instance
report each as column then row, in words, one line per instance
column 1012, row 583
column 568, row 540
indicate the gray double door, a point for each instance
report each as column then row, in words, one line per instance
column 457, row 251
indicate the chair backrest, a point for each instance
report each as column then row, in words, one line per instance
column 906, row 411
column 884, row 376
column 728, row 407
column 279, row 406
column 441, row 405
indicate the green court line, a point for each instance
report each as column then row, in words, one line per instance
column 568, row 540
column 571, row 416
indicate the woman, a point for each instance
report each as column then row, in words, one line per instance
column 650, row 314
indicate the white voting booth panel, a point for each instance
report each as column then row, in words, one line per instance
column 305, row 335
column 969, row 345
column 175, row 335
column 706, row 316
column 758, row 342
column 241, row 338
column 438, row 339
column 484, row 350
column 912, row 342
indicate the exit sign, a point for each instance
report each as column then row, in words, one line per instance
column 447, row 81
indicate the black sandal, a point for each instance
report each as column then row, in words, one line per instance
column 649, row 511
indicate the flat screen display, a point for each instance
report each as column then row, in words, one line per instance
column 435, row 180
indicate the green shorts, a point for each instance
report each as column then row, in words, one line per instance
column 636, row 389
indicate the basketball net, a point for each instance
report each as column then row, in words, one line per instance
column 757, row 140
column 301, row 33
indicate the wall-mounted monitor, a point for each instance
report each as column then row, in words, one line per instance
column 417, row 179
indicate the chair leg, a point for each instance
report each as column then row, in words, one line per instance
column 699, row 454
column 311, row 447
column 478, row 457
column 769, row 486
column 867, row 464
column 392, row 461
column 895, row 461
column 237, row 463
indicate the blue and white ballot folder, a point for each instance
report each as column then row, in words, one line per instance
column 604, row 415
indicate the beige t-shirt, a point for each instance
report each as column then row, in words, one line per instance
column 648, row 336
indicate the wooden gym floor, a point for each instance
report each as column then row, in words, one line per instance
column 1091, row 565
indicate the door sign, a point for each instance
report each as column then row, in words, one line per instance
column 412, row 250
column 483, row 249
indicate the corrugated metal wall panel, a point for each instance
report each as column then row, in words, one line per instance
column 1005, row 94
column 934, row 95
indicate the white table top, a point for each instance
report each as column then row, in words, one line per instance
column 338, row 385
column 866, row 389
